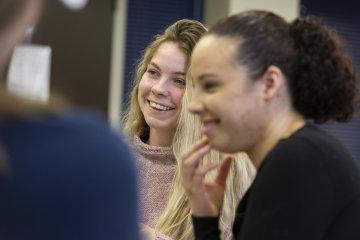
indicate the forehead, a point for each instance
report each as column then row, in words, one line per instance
column 216, row 50
column 169, row 52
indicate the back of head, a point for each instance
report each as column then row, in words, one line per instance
column 185, row 33
column 321, row 78
column 9, row 9
column 15, row 17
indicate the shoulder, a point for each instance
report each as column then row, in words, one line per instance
column 67, row 138
column 312, row 159
column 75, row 162
column 313, row 146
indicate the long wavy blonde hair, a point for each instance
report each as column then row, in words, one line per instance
column 176, row 218
column 185, row 33
column 175, row 221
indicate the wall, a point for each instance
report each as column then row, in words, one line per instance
column 215, row 9
column 81, row 50
column 344, row 18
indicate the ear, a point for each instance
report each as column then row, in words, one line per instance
column 273, row 79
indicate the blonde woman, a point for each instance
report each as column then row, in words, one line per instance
column 160, row 128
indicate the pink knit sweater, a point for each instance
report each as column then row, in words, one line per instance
column 156, row 168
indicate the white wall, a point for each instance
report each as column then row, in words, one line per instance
column 216, row 9
column 117, row 64
column 289, row 9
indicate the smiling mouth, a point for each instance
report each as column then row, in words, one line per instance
column 159, row 107
column 208, row 125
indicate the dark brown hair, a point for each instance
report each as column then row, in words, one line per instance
column 9, row 11
column 321, row 77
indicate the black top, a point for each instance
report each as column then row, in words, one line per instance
column 308, row 187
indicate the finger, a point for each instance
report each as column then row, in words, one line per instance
column 190, row 165
column 224, row 170
column 199, row 175
column 195, row 158
column 198, row 144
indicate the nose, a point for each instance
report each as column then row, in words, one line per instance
column 160, row 88
column 195, row 106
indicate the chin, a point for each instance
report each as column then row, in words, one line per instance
column 159, row 124
column 155, row 125
column 224, row 146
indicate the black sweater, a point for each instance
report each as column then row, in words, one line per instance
column 308, row 187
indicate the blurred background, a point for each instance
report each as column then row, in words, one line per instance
column 96, row 44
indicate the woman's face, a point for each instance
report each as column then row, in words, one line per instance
column 162, row 86
column 229, row 103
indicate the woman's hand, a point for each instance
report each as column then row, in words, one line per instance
column 205, row 198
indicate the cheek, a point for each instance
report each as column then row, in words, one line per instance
column 144, row 87
column 233, row 111
column 177, row 95
column 246, row 119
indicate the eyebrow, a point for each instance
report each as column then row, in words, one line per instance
column 154, row 65
column 203, row 77
column 158, row 68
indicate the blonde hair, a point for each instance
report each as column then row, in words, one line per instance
column 175, row 221
column 176, row 218
column 185, row 33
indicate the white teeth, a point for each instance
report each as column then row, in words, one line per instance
column 159, row 107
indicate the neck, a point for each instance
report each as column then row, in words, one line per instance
column 160, row 138
column 280, row 128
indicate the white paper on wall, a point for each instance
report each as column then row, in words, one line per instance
column 29, row 72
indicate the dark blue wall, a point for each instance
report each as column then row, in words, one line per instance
column 345, row 18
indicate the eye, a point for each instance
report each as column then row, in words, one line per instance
column 180, row 81
column 209, row 86
column 153, row 73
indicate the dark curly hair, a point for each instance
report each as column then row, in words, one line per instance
column 321, row 77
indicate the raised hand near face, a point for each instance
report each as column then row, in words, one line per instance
column 206, row 198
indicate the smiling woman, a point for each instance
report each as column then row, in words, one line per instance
column 258, row 79
column 223, row 92
column 160, row 92
column 152, row 116
column 160, row 126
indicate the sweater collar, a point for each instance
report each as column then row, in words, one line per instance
column 165, row 154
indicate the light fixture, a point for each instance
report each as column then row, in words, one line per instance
column 75, row 5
